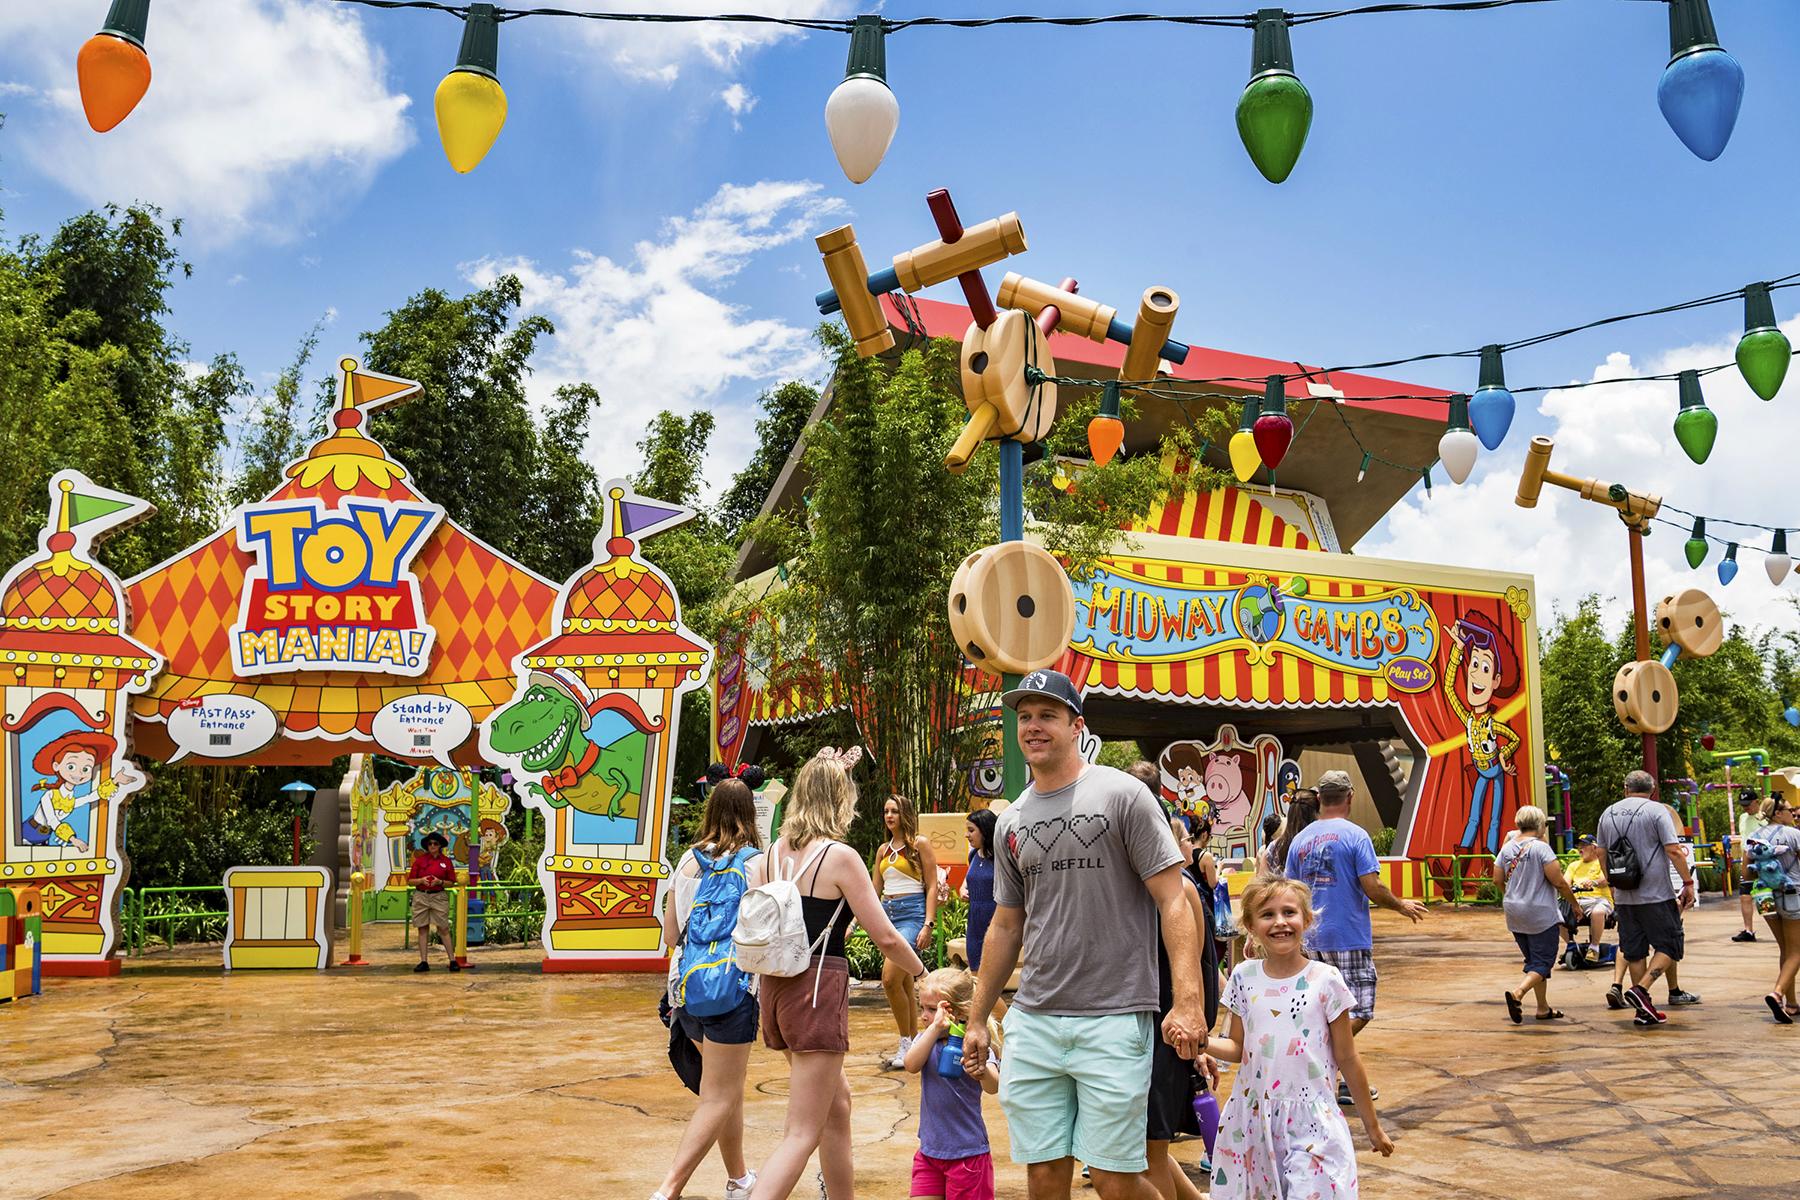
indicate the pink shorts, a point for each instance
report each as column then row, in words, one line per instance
column 953, row 1178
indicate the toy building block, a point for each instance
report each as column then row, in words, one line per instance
column 9, row 902
column 1645, row 697
column 12, row 931
column 1092, row 320
column 862, row 312
column 1634, row 507
column 1156, row 316
column 1012, row 608
column 1690, row 624
column 995, row 387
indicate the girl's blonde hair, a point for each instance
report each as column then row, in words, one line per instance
column 1531, row 819
column 957, row 987
column 821, row 804
column 1265, row 888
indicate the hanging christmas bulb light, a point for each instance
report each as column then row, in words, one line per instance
column 471, row 104
column 1695, row 425
column 1695, row 547
column 1274, row 112
column 1106, row 430
column 1425, row 474
column 112, row 68
column 1702, row 87
column 1491, row 409
column 1459, row 446
column 1776, row 562
column 1242, row 448
column 862, row 114
column 1362, row 472
column 1728, row 565
column 1763, row 353
column 1274, row 429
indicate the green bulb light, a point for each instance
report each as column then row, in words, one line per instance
column 1696, row 427
column 1274, row 113
column 1696, row 546
column 1763, row 353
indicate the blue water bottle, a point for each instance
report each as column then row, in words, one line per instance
column 950, row 1053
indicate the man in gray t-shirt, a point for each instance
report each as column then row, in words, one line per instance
column 1650, row 934
column 1083, row 865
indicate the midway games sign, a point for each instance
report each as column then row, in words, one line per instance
column 1129, row 618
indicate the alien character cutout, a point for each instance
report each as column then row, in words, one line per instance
column 1481, row 670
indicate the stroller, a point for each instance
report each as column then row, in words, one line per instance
column 1575, row 954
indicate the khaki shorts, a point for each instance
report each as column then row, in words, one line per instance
column 790, row 1019
column 431, row 908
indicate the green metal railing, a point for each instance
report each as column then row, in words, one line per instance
column 136, row 905
column 478, row 890
column 1465, row 869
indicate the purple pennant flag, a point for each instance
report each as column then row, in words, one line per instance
column 637, row 515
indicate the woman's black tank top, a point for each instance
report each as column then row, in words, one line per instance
column 817, row 912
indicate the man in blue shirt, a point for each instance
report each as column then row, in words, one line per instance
column 1335, row 858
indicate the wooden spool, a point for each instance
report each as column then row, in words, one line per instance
column 1011, row 608
column 1001, row 402
column 862, row 312
column 1645, row 697
column 1691, row 620
column 1156, row 317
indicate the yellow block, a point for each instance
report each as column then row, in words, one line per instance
column 269, row 958
column 648, row 938
column 73, row 943
column 275, row 879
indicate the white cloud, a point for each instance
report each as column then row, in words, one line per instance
column 259, row 113
column 660, row 53
column 740, row 100
column 1622, row 433
column 656, row 332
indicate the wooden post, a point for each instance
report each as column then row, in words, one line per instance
column 462, row 917
column 356, row 959
column 1640, row 618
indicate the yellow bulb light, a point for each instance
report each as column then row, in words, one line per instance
column 1245, row 458
column 471, row 110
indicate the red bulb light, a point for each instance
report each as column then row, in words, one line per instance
column 1274, row 433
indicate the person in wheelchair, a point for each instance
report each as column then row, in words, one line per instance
column 1587, row 875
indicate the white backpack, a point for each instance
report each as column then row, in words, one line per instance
column 770, row 936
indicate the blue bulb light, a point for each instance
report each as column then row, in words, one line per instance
column 1792, row 715
column 1727, row 570
column 1490, row 415
column 1699, row 94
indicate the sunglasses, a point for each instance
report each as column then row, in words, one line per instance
column 1476, row 636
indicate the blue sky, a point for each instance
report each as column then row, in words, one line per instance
column 1469, row 178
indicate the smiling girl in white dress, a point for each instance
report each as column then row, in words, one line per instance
column 1283, row 1136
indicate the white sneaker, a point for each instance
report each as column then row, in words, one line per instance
column 735, row 1190
column 896, row 1063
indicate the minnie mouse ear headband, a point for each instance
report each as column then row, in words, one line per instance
column 846, row 759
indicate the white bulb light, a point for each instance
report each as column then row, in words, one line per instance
column 1457, row 450
column 861, row 117
column 1778, row 566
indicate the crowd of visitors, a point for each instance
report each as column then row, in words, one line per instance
column 1111, row 912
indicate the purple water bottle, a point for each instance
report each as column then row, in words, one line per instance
column 1206, row 1111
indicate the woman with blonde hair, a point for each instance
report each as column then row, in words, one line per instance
column 807, row 1017
column 1527, row 870
column 905, row 878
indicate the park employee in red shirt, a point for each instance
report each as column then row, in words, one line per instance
column 431, row 873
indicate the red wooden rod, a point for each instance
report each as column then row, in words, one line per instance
column 950, row 229
column 1051, row 315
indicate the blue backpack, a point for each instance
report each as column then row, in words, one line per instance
column 711, row 983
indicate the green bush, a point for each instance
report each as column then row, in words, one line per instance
column 1488, row 893
column 1384, row 841
column 952, row 922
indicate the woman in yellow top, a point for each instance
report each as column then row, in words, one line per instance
column 905, row 875
column 1587, row 875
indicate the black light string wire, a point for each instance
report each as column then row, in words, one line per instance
column 844, row 25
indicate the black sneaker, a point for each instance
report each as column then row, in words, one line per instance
column 1644, row 1020
column 1615, row 996
column 421, row 968
column 1639, row 998
column 1746, row 935
column 455, row 966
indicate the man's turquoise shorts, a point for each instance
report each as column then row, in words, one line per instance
column 1077, row 1087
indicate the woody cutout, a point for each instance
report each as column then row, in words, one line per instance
column 1491, row 673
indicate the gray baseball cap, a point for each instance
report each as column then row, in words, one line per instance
column 1333, row 781
column 1053, row 684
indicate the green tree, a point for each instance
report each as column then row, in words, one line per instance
column 785, row 411
column 278, row 429
column 1581, row 731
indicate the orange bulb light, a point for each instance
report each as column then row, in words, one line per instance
column 112, row 68
column 1105, row 435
